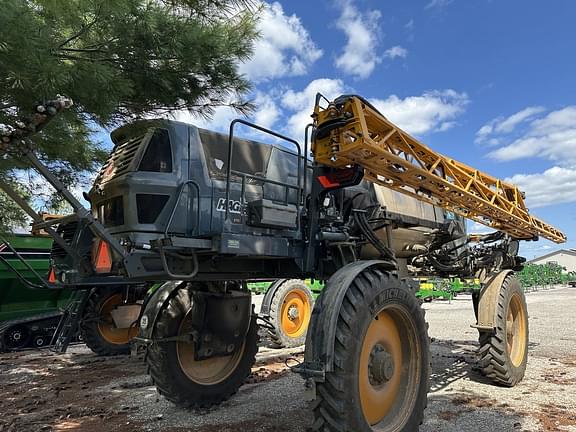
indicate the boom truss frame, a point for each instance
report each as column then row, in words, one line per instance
column 350, row 131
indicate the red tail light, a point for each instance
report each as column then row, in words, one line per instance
column 102, row 259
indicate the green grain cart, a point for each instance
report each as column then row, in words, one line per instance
column 30, row 312
column 28, row 316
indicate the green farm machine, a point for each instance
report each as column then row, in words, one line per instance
column 28, row 316
column 445, row 288
column 205, row 214
column 31, row 310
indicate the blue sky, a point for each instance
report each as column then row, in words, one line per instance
column 488, row 82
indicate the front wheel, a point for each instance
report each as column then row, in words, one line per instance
column 195, row 383
column 381, row 360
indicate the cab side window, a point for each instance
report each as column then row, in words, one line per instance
column 158, row 155
column 248, row 157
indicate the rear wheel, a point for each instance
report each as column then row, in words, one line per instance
column 290, row 312
column 381, row 360
column 504, row 353
column 97, row 328
column 195, row 383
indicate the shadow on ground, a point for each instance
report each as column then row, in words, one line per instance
column 453, row 360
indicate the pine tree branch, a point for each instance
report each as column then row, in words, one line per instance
column 88, row 59
column 84, row 50
column 83, row 30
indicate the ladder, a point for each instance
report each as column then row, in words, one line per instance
column 68, row 326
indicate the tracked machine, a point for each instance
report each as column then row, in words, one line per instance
column 28, row 318
column 208, row 212
column 31, row 311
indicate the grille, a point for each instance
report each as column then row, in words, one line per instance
column 67, row 231
column 120, row 160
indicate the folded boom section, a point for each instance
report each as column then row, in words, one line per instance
column 351, row 131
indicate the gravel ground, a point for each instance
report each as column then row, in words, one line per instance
column 41, row 391
column 462, row 400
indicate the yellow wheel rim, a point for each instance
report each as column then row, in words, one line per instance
column 295, row 313
column 390, row 368
column 106, row 327
column 379, row 393
column 516, row 330
column 204, row 372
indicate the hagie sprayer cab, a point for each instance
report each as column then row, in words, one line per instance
column 208, row 212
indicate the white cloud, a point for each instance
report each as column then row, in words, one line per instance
column 396, row 52
column 485, row 134
column 284, row 110
column 478, row 228
column 508, row 125
column 289, row 111
column 361, row 28
column 550, row 137
column 220, row 120
column 432, row 111
column 553, row 186
column 301, row 104
column 438, row 4
column 284, row 48
column 267, row 111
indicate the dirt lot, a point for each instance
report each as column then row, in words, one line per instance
column 78, row 391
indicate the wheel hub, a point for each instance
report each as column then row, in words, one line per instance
column 209, row 371
column 381, row 366
column 293, row 313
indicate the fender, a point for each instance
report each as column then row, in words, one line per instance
column 489, row 300
column 153, row 307
column 267, row 300
column 319, row 350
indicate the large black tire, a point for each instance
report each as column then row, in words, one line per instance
column 97, row 330
column 504, row 353
column 344, row 401
column 166, row 370
column 290, row 331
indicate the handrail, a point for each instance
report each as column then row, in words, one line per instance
column 230, row 153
